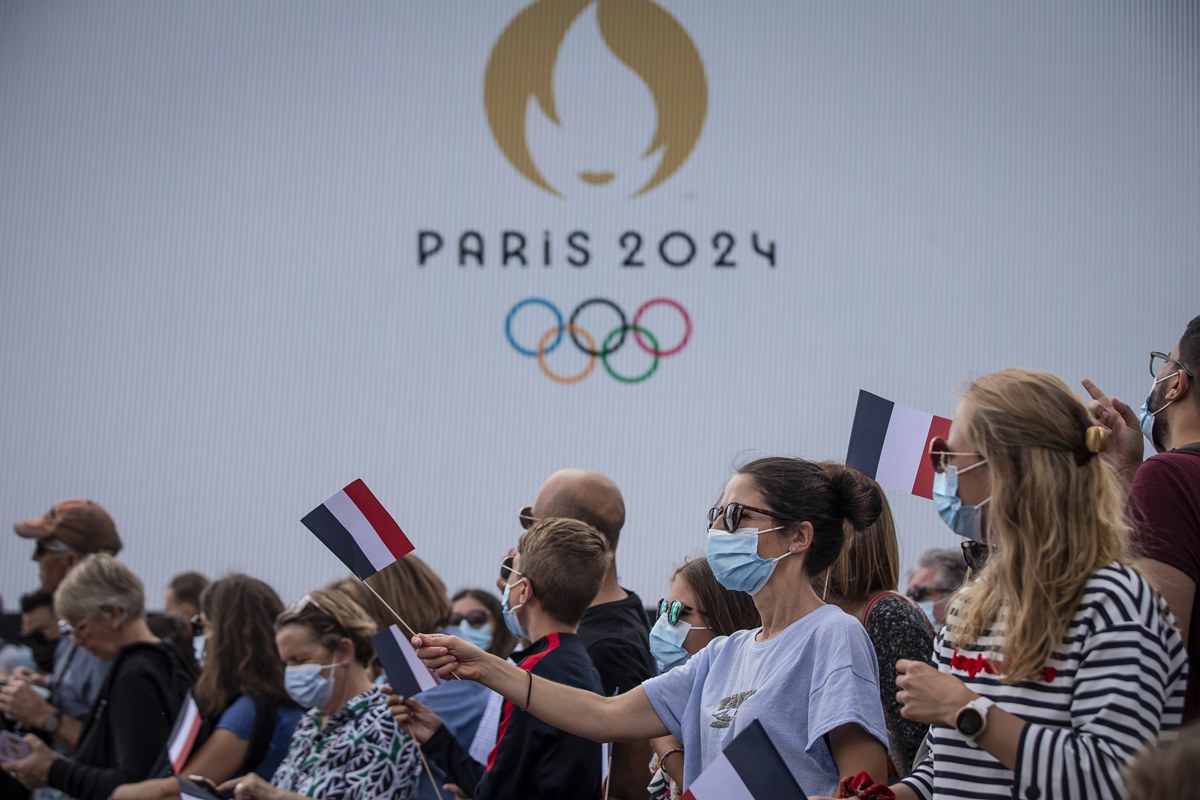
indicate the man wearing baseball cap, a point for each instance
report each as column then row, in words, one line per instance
column 65, row 534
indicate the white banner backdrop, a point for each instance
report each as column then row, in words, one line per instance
column 219, row 301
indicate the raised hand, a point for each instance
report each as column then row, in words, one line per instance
column 1125, row 452
column 451, row 656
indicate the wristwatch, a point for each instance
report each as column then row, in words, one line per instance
column 971, row 719
column 50, row 724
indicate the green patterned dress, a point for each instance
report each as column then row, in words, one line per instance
column 360, row 755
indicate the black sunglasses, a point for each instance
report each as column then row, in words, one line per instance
column 976, row 555
column 673, row 609
column 526, row 517
column 476, row 618
column 924, row 592
column 731, row 515
column 41, row 549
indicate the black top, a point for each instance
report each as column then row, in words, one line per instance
column 531, row 758
column 617, row 637
column 899, row 629
column 129, row 724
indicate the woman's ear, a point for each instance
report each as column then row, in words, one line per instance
column 802, row 537
column 113, row 612
column 344, row 651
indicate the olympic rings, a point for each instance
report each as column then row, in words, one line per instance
column 541, row 352
column 637, row 331
column 586, row 343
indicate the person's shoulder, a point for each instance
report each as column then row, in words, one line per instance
column 1118, row 594
column 1166, row 468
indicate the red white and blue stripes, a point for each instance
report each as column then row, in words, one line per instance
column 356, row 527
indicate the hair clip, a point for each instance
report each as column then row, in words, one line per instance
column 1096, row 438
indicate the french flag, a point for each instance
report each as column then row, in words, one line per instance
column 358, row 529
column 183, row 737
column 890, row 443
column 406, row 673
column 750, row 768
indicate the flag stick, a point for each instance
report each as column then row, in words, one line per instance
column 436, row 789
column 407, row 627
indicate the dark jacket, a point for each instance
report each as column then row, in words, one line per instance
column 531, row 758
column 129, row 723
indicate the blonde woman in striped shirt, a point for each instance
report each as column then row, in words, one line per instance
column 1058, row 662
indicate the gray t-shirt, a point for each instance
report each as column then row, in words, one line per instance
column 75, row 690
column 818, row 674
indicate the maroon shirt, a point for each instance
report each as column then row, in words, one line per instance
column 1164, row 503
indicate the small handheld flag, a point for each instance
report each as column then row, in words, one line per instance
column 406, row 673
column 189, row 789
column 183, row 737
column 890, row 443
column 750, row 768
column 356, row 528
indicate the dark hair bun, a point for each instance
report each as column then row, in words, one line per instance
column 855, row 497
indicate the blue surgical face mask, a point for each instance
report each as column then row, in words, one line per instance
column 666, row 643
column 735, row 560
column 966, row 521
column 481, row 637
column 927, row 607
column 307, row 686
column 1146, row 416
column 198, row 647
column 511, row 620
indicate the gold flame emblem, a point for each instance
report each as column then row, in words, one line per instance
column 641, row 35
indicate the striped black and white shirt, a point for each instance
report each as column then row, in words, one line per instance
column 1117, row 681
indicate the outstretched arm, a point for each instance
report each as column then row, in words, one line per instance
column 578, row 711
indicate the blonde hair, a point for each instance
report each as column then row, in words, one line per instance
column 1055, row 516
column 870, row 559
column 1164, row 770
column 332, row 615
column 411, row 588
column 99, row 580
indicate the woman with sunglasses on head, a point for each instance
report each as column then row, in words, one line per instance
column 1059, row 662
column 808, row 674
column 863, row 582
column 346, row 744
column 411, row 588
column 696, row 610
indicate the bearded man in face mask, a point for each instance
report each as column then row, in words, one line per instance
column 39, row 628
column 1164, row 490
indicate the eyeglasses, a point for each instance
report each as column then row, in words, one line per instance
column 731, row 515
column 673, row 609
column 1159, row 360
column 921, row 593
column 41, row 549
column 77, row 630
column 476, row 618
column 939, row 450
column 976, row 554
column 526, row 517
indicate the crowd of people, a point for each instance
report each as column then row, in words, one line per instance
column 1053, row 655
